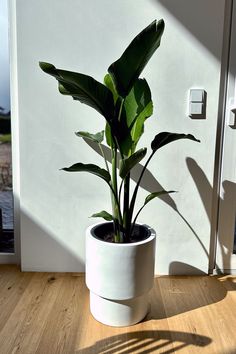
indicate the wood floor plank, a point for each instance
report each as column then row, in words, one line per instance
column 61, row 331
column 94, row 337
column 12, row 286
column 194, row 308
column 29, row 316
column 45, row 313
column 177, row 294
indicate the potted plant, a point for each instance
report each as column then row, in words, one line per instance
column 120, row 253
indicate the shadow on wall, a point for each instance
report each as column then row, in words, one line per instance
column 205, row 190
column 41, row 242
column 147, row 342
column 184, row 268
column 43, row 251
column 150, row 184
column 190, row 13
column 226, row 241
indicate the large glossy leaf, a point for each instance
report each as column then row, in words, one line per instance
column 97, row 138
column 103, row 214
column 129, row 66
column 165, row 138
column 120, row 128
column 137, row 100
column 126, row 144
column 138, row 107
column 83, row 88
column 110, row 85
column 127, row 164
column 156, row 195
column 91, row 168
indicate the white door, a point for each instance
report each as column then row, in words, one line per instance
column 226, row 243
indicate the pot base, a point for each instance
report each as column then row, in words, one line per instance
column 119, row 313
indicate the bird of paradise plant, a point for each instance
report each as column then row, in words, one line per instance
column 124, row 100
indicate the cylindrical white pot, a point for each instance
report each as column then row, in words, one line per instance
column 119, row 277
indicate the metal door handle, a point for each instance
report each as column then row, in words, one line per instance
column 232, row 116
column 231, row 121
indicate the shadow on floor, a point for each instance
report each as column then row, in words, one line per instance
column 146, row 342
column 182, row 294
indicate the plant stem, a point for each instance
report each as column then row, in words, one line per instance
column 133, row 223
column 126, row 219
column 115, row 202
column 113, row 193
column 132, row 203
column 120, row 190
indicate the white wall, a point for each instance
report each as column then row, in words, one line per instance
column 87, row 36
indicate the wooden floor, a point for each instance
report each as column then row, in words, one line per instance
column 49, row 313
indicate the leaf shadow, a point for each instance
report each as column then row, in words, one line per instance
column 205, row 190
column 147, row 342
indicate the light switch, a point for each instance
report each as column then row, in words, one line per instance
column 196, row 95
column 197, row 104
column 196, row 108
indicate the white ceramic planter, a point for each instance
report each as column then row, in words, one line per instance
column 119, row 277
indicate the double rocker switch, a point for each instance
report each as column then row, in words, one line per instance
column 197, row 103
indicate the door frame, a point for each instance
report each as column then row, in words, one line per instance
column 14, row 258
column 220, row 137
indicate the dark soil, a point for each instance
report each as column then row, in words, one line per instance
column 105, row 232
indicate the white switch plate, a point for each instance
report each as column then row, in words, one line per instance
column 197, row 103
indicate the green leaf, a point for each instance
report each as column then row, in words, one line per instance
column 108, row 134
column 83, row 88
column 137, row 100
column 165, row 138
column 149, row 198
column 97, row 138
column 91, row 168
column 103, row 214
column 126, row 143
column 138, row 128
column 110, row 85
column 121, row 128
column 127, row 164
column 138, row 107
column 129, row 66
column 156, row 194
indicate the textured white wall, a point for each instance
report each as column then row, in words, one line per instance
column 87, row 36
